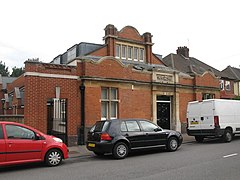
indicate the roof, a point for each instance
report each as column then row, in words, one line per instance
column 232, row 72
column 5, row 80
column 189, row 65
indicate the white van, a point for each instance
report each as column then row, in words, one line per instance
column 213, row 118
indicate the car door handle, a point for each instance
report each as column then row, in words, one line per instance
column 127, row 134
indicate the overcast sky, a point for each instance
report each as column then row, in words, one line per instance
column 46, row 28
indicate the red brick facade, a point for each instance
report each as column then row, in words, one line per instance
column 137, row 89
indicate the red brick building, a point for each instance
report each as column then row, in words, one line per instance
column 122, row 78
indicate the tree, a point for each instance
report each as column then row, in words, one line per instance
column 16, row 72
column 3, row 69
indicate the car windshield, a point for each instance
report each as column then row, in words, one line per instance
column 100, row 126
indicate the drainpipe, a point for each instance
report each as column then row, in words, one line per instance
column 82, row 128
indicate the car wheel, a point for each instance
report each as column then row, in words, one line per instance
column 172, row 144
column 199, row 139
column 227, row 137
column 120, row 150
column 98, row 153
column 53, row 157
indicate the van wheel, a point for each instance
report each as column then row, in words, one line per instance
column 120, row 150
column 227, row 137
column 199, row 139
column 172, row 144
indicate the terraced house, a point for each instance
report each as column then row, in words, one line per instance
column 121, row 78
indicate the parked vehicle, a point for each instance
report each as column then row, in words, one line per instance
column 23, row 144
column 120, row 136
column 213, row 118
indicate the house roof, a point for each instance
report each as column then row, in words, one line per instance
column 232, row 72
column 190, row 65
column 5, row 80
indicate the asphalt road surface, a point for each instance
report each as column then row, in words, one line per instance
column 211, row 160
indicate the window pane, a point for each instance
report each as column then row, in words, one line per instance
column 141, row 54
column 135, row 54
column 104, row 93
column 104, row 108
column 147, row 126
column 118, row 51
column 17, row 132
column 130, row 53
column 113, row 110
column 124, row 49
column 132, row 126
column 123, row 126
column 113, row 94
column 1, row 132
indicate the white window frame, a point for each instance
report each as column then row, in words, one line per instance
column 141, row 53
column 109, row 101
column 222, row 84
column 228, row 85
column 130, row 58
column 137, row 56
column 118, row 51
column 124, row 52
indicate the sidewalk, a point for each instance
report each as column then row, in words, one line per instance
column 81, row 150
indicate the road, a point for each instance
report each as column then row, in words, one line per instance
column 211, row 160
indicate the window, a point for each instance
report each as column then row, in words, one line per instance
column 1, row 132
column 132, row 126
column 18, row 132
column 141, row 55
column 208, row 96
column 129, row 52
column 147, row 126
column 22, row 96
column 123, row 127
column 10, row 98
column 109, row 103
column 130, row 49
column 227, row 85
column 124, row 51
column 222, row 84
column 118, row 47
column 135, row 54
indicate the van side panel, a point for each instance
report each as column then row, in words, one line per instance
column 201, row 117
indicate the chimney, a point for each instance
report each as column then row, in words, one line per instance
column 183, row 51
column 110, row 36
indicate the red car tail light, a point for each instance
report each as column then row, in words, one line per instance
column 216, row 121
column 106, row 137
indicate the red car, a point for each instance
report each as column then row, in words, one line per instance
column 23, row 144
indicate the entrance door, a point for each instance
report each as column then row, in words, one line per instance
column 163, row 111
column 57, row 118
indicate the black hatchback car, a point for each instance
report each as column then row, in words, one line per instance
column 120, row 136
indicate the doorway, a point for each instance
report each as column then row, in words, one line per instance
column 164, row 111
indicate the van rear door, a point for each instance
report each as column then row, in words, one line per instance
column 207, row 115
column 194, row 115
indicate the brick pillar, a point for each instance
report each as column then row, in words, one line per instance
column 110, row 36
column 148, row 47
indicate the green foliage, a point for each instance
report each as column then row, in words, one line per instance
column 3, row 69
column 16, row 72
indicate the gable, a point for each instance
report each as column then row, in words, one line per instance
column 129, row 32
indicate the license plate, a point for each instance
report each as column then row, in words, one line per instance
column 194, row 122
column 91, row 145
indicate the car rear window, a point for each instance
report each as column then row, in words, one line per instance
column 1, row 132
column 100, row 126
